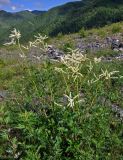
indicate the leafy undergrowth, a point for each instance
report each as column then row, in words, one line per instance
column 37, row 121
column 62, row 110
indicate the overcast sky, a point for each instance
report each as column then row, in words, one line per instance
column 17, row 5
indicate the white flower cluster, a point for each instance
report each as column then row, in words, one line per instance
column 14, row 36
column 39, row 42
column 73, row 62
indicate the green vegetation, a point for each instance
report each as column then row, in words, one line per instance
column 61, row 110
column 82, row 33
column 116, row 29
column 112, row 30
column 67, row 46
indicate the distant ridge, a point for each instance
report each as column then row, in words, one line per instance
column 36, row 12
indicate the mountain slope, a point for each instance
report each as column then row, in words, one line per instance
column 11, row 20
column 95, row 13
column 36, row 12
column 71, row 17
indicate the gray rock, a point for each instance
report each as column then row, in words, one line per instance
column 3, row 95
column 54, row 53
column 118, row 110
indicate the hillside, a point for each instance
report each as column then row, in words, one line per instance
column 68, row 108
column 68, row 18
column 10, row 20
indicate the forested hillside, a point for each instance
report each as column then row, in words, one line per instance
column 68, row 18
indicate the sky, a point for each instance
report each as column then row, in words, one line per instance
column 18, row 5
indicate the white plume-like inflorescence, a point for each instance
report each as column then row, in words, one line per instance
column 15, row 34
column 97, row 60
column 73, row 62
column 39, row 42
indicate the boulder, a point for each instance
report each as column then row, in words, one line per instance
column 54, row 53
column 116, row 45
column 3, row 95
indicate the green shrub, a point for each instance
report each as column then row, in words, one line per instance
column 59, row 35
column 2, row 63
column 67, row 46
column 116, row 29
column 83, row 33
column 102, row 33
